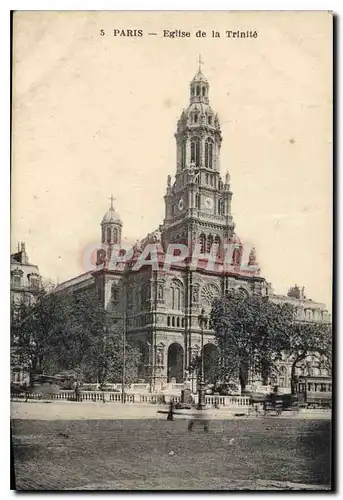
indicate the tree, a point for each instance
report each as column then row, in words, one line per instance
column 34, row 327
column 251, row 332
column 71, row 332
column 304, row 339
column 105, row 357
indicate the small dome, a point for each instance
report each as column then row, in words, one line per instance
column 111, row 216
column 199, row 77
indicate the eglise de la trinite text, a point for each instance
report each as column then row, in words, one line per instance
column 138, row 33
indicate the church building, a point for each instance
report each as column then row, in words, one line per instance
column 162, row 306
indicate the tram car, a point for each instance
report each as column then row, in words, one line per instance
column 314, row 391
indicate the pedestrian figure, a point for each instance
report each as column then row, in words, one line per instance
column 77, row 392
column 171, row 410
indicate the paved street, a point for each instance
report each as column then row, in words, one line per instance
column 266, row 453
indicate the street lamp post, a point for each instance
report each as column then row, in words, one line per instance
column 123, row 382
column 201, row 390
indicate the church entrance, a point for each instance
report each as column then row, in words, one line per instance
column 175, row 363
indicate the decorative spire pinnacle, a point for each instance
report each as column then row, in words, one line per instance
column 200, row 61
column 112, row 200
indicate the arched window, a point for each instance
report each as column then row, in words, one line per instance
column 176, row 297
column 115, row 235
column 206, row 178
column 173, row 321
column 198, row 89
column 183, row 322
column 220, row 207
column 197, row 201
column 195, row 151
column 203, row 91
column 192, row 91
column 210, row 120
column 108, row 235
column 209, row 242
column 209, row 153
column 195, row 117
column 183, row 155
column 168, row 320
column 114, row 294
column 217, row 243
column 178, row 322
column 202, row 243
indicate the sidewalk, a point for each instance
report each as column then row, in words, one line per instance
column 65, row 410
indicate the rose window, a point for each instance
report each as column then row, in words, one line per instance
column 209, row 293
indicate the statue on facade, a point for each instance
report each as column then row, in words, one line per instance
column 160, row 292
column 159, row 355
column 137, row 246
column 252, row 257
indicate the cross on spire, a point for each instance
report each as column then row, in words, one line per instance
column 200, row 61
column 112, row 200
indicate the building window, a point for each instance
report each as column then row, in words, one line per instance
column 202, row 243
column 198, row 89
column 209, row 153
column 183, row 155
column 209, row 242
column 115, row 235
column 206, row 178
column 108, row 235
column 203, row 91
column 210, row 120
column 34, row 281
column 195, row 151
column 195, row 118
column 178, row 322
column 16, row 280
column 168, row 321
column 197, row 201
column 217, row 243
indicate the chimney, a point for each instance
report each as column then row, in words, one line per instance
column 23, row 256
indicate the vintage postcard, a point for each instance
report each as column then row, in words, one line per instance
column 171, row 250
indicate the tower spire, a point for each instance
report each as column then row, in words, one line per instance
column 200, row 62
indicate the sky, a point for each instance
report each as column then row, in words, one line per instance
column 96, row 115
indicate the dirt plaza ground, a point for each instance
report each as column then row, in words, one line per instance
column 156, row 454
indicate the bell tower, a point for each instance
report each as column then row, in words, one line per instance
column 111, row 226
column 198, row 204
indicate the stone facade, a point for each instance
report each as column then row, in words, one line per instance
column 25, row 282
column 25, row 277
column 162, row 305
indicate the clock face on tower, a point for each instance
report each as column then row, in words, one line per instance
column 180, row 204
column 208, row 203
